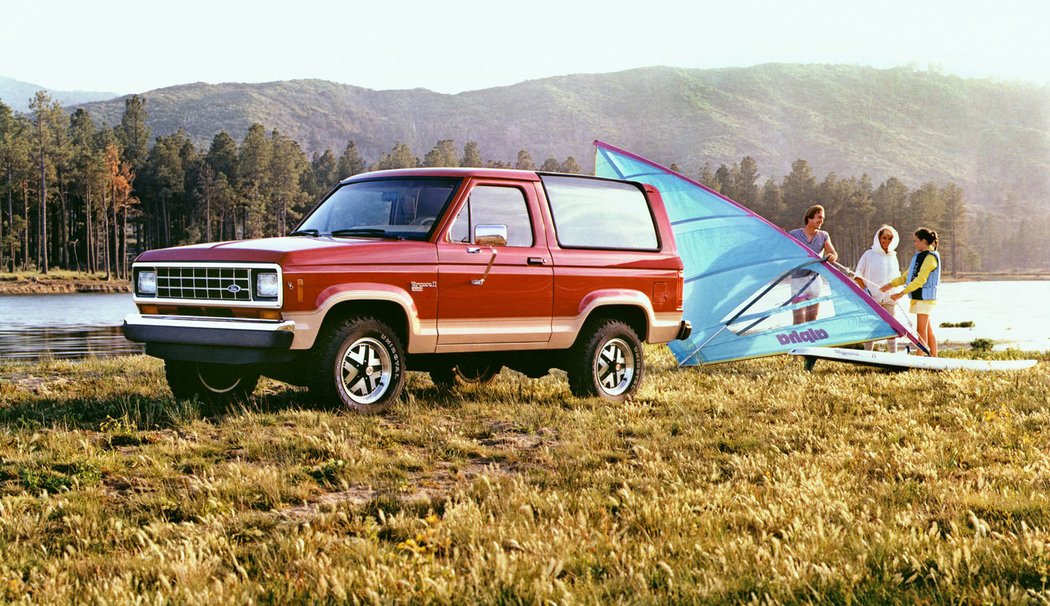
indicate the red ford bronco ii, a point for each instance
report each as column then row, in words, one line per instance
column 458, row 272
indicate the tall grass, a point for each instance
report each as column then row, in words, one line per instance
column 750, row 482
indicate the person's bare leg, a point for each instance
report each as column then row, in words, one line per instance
column 891, row 343
column 811, row 312
column 922, row 326
column 798, row 316
column 931, row 339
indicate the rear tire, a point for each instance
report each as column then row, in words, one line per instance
column 360, row 364
column 213, row 384
column 606, row 361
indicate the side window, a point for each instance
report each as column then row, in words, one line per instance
column 494, row 205
column 593, row 213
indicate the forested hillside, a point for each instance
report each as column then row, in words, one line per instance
column 990, row 137
column 92, row 188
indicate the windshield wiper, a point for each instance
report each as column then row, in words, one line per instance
column 305, row 232
column 364, row 231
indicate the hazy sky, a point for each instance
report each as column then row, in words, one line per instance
column 450, row 46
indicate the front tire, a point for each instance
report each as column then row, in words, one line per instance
column 606, row 361
column 212, row 384
column 361, row 364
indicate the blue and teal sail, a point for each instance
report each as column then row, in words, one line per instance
column 738, row 268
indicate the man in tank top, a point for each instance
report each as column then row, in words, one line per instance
column 805, row 283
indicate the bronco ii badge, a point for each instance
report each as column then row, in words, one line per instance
column 419, row 286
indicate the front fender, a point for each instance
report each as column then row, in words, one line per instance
column 422, row 334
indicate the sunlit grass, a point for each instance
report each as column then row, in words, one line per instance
column 744, row 482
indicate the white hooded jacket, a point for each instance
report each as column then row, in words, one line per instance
column 877, row 267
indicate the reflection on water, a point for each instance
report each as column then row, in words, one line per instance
column 76, row 341
column 64, row 326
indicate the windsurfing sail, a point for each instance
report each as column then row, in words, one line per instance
column 744, row 276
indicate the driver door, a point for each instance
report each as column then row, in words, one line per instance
column 495, row 293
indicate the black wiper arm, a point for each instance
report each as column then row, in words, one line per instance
column 364, row 231
column 305, row 232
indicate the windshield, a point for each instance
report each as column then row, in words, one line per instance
column 395, row 208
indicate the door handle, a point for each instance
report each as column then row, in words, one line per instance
column 537, row 261
column 473, row 250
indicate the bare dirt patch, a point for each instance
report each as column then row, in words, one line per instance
column 438, row 482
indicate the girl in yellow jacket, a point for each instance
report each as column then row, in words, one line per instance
column 920, row 283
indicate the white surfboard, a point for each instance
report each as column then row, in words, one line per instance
column 903, row 361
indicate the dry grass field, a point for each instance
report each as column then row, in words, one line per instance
column 748, row 482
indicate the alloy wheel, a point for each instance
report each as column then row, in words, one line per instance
column 614, row 367
column 365, row 370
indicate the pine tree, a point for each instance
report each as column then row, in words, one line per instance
column 707, row 176
column 85, row 161
column 253, row 171
column 724, row 181
column 350, row 163
column 471, row 155
column 286, row 168
column 49, row 128
column 524, row 161
column 400, row 156
column 133, row 133
column 550, row 165
column 570, row 165
column 443, row 154
column 165, row 184
column 223, row 156
column 953, row 222
column 323, row 174
column 7, row 133
column 771, row 204
column 799, row 192
column 745, row 182
column 891, row 202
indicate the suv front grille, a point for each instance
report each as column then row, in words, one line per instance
column 205, row 283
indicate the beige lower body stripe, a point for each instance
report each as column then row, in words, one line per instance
column 508, row 334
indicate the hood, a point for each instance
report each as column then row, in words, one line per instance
column 877, row 246
column 297, row 250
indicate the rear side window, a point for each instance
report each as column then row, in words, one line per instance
column 591, row 213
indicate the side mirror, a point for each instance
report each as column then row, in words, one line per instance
column 490, row 235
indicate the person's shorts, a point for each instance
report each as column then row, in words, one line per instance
column 918, row 306
column 811, row 292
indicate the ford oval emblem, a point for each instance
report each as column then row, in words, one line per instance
column 233, row 288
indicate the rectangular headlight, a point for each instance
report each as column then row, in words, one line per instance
column 146, row 282
column 266, row 285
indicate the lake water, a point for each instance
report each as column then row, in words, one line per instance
column 1014, row 314
column 64, row 325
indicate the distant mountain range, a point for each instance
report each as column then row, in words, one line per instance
column 989, row 136
column 16, row 94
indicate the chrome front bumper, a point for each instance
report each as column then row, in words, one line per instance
column 219, row 332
